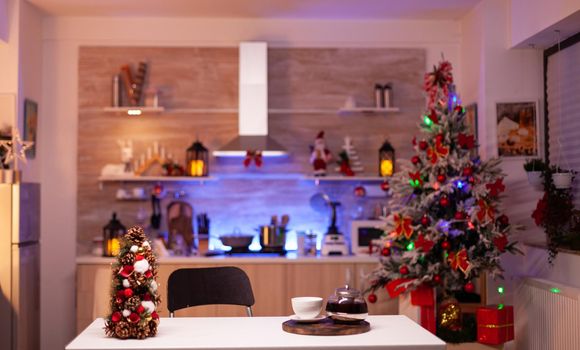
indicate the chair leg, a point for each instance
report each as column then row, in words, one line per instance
column 171, row 315
column 249, row 311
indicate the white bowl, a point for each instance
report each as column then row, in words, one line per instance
column 307, row 307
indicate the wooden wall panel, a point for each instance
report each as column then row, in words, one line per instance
column 207, row 78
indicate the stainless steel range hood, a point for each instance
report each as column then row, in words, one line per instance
column 253, row 106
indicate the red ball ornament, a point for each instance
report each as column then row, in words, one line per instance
column 425, row 220
column 467, row 171
column 359, row 191
column 415, row 160
column 385, row 186
column 128, row 292
column 445, row 245
column 404, row 270
column 116, row 316
column 504, row 220
column 134, row 318
column 441, row 178
column 120, row 294
column 139, row 257
column 423, row 145
column 158, row 189
column 444, row 201
column 119, row 300
column 372, row 298
column 147, row 297
column 386, row 251
column 148, row 274
column 459, row 215
column 437, row 279
column 469, row 287
column 140, row 309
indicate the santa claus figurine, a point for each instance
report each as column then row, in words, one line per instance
column 320, row 155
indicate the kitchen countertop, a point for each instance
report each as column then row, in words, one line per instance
column 290, row 258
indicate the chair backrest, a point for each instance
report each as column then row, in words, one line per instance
column 208, row 286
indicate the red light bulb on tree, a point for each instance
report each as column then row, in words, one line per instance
column 445, row 245
column 437, row 279
column 403, row 270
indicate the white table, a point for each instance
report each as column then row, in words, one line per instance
column 265, row 333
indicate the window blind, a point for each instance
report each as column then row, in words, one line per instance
column 563, row 109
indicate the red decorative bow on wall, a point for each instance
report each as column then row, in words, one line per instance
column 255, row 156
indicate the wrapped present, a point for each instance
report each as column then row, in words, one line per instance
column 495, row 324
column 419, row 306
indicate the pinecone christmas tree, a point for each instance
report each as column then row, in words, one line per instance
column 446, row 227
column 134, row 296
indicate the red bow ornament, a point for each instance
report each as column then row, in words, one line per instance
column 466, row 141
column 416, row 179
column 439, row 150
column 398, row 286
column 485, row 211
column 424, row 244
column 496, row 188
column 458, row 260
column 255, row 156
column 403, row 226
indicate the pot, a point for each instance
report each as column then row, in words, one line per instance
column 237, row 240
column 562, row 180
column 272, row 237
column 535, row 178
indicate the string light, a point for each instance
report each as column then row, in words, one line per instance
column 410, row 246
column 501, row 290
column 555, row 290
column 460, row 184
column 414, row 183
column 427, row 121
column 500, row 306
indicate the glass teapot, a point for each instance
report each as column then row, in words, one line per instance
column 347, row 305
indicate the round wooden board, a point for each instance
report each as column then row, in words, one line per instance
column 325, row 327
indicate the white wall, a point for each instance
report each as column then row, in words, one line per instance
column 529, row 17
column 62, row 39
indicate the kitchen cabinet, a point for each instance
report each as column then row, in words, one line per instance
column 275, row 280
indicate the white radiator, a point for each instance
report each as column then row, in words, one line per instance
column 547, row 316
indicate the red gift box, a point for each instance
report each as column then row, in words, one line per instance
column 495, row 325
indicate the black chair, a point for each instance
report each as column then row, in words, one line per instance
column 209, row 286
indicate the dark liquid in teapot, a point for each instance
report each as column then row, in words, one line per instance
column 347, row 307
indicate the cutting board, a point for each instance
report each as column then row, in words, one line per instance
column 325, row 327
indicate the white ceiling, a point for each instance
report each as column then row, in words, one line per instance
column 291, row 9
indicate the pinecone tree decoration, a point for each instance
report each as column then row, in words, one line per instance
column 134, row 297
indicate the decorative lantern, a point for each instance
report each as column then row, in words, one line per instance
column 386, row 160
column 112, row 232
column 197, row 160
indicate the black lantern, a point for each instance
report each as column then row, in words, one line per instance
column 386, row 160
column 197, row 160
column 112, row 233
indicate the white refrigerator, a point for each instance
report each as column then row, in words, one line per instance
column 19, row 266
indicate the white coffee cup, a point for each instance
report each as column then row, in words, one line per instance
column 307, row 307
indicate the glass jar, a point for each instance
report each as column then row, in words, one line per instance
column 347, row 305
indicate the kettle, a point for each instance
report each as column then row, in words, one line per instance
column 347, row 305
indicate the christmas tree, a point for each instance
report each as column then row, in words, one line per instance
column 134, row 296
column 446, row 228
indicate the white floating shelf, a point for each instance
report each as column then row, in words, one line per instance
column 368, row 110
column 301, row 111
column 134, row 111
column 319, row 179
column 129, row 178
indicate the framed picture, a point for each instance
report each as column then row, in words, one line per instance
column 30, row 125
column 471, row 119
column 517, row 129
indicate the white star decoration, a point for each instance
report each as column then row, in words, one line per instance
column 16, row 149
